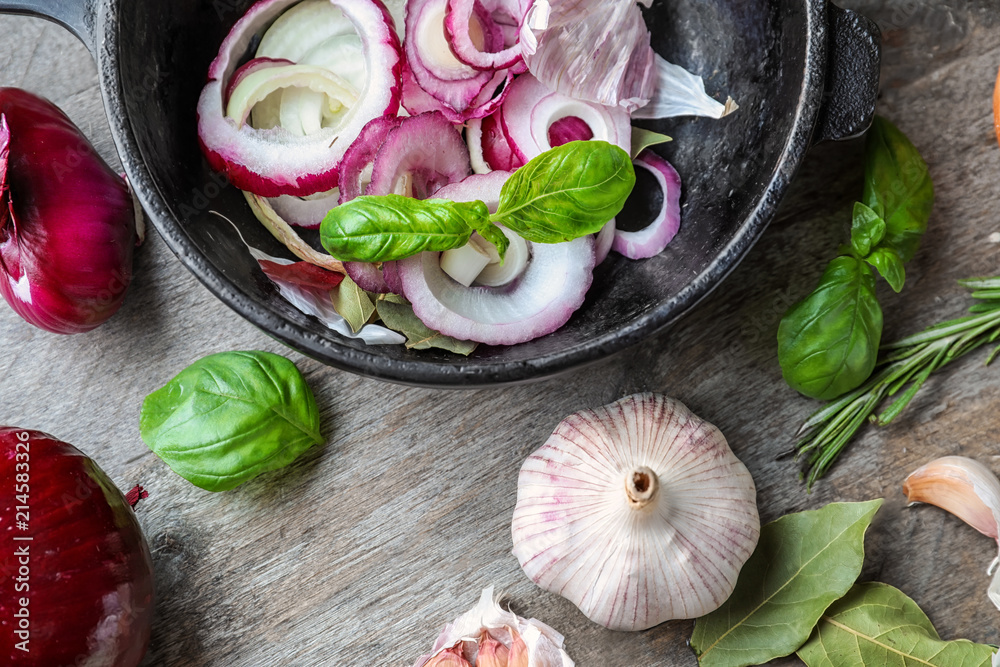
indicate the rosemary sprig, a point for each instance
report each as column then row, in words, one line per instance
column 903, row 368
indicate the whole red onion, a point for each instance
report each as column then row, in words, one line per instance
column 76, row 581
column 67, row 221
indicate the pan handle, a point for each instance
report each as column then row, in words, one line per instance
column 852, row 76
column 77, row 16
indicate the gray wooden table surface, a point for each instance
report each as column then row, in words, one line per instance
column 364, row 548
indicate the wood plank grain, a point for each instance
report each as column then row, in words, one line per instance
column 360, row 551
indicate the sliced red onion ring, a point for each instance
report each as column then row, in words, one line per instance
column 539, row 301
column 251, row 66
column 457, row 100
column 356, row 167
column 316, row 33
column 497, row 150
column 505, row 131
column 367, row 276
column 654, row 237
column 434, row 80
column 302, row 28
column 477, row 39
column 307, row 212
column 567, row 129
column 416, row 100
column 494, row 151
column 477, row 31
column 531, row 110
column 303, row 89
column 274, row 162
column 343, row 54
column 390, row 274
column 420, row 156
column 511, row 34
column 474, row 140
column 478, row 187
column 427, row 49
column 413, row 156
column 603, row 241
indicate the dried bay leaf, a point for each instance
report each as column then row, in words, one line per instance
column 876, row 625
column 400, row 317
column 803, row 562
column 352, row 303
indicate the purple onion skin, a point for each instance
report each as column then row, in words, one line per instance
column 67, row 221
column 90, row 581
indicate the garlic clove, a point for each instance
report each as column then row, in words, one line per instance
column 637, row 512
column 518, row 651
column 491, row 652
column 449, row 657
column 969, row 490
column 959, row 485
column 543, row 645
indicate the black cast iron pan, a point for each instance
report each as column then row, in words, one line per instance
column 801, row 70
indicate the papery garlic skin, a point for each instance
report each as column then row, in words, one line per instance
column 967, row 489
column 630, row 549
column 539, row 645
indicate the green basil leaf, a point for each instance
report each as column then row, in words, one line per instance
column 867, row 230
column 399, row 317
column 380, row 229
column 876, row 625
column 352, row 303
column 567, row 192
column 643, row 139
column 828, row 343
column 495, row 235
column 898, row 187
column 890, row 265
column 229, row 417
column 802, row 563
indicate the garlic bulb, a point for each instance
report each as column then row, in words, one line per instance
column 488, row 636
column 967, row 489
column 637, row 512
